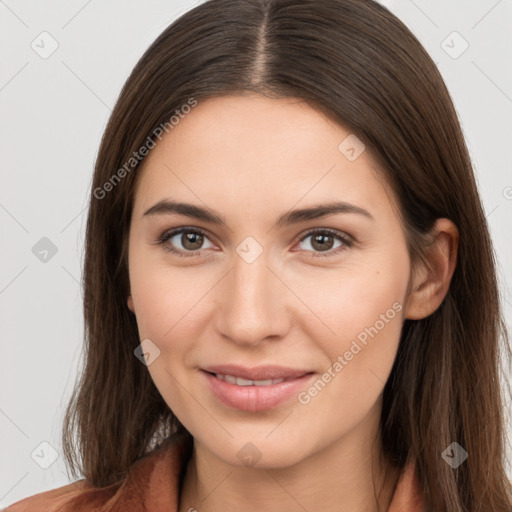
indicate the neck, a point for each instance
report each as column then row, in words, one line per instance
column 347, row 475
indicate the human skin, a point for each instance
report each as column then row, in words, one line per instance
column 251, row 159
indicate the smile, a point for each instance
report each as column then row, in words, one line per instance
column 239, row 381
column 254, row 395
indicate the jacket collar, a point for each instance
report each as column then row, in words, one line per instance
column 154, row 483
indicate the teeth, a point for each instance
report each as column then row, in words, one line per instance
column 243, row 382
column 228, row 378
column 247, row 382
column 264, row 382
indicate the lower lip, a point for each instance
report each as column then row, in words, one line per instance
column 256, row 398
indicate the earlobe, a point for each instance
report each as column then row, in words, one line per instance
column 130, row 304
column 432, row 281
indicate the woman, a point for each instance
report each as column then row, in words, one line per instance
column 290, row 291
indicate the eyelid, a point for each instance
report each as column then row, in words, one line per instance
column 171, row 233
column 346, row 239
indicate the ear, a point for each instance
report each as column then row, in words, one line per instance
column 431, row 281
column 130, row 304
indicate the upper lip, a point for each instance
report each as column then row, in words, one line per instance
column 257, row 372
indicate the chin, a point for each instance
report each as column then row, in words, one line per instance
column 261, row 454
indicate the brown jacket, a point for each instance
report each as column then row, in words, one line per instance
column 153, row 483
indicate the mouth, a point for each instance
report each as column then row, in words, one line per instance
column 256, row 374
column 240, row 381
column 256, row 394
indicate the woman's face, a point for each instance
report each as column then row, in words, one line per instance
column 323, row 295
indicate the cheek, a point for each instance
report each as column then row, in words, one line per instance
column 365, row 332
column 165, row 298
column 349, row 301
column 361, row 317
column 359, row 359
column 166, row 301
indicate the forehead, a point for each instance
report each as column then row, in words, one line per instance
column 253, row 150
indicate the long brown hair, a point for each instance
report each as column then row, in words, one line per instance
column 360, row 65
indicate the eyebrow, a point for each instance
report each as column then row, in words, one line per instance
column 167, row 207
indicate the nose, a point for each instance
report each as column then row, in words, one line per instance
column 253, row 303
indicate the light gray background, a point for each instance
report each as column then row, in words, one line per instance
column 53, row 113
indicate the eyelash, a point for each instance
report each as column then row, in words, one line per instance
column 162, row 241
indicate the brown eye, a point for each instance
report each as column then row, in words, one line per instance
column 184, row 241
column 192, row 241
column 324, row 240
